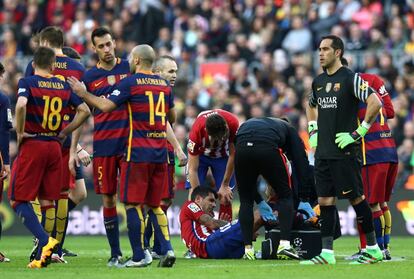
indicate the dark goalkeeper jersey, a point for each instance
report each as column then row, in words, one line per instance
column 336, row 97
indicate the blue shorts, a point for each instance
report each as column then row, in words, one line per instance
column 218, row 168
column 226, row 242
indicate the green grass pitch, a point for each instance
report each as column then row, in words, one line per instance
column 93, row 254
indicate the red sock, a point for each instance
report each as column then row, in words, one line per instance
column 362, row 238
column 226, row 210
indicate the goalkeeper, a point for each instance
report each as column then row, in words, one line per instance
column 334, row 131
column 260, row 147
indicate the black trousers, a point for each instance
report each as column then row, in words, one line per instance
column 250, row 162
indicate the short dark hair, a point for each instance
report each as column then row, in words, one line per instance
column 202, row 192
column 1, row 69
column 337, row 43
column 44, row 57
column 344, row 62
column 53, row 35
column 99, row 32
column 158, row 63
column 216, row 125
column 71, row 52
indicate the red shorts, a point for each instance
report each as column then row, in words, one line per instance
column 168, row 192
column 143, row 182
column 36, row 172
column 105, row 174
column 68, row 182
column 379, row 180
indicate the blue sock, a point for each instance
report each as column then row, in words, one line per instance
column 26, row 214
column 160, row 233
column 136, row 226
column 378, row 220
column 71, row 205
column 157, row 245
column 112, row 230
column 148, row 233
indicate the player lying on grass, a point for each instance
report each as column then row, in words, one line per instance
column 207, row 237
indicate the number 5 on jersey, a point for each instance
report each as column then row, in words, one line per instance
column 159, row 109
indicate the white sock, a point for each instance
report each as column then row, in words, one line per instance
column 329, row 251
column 373, row 247
column 284, row 243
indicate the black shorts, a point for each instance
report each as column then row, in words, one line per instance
column 338, row 178
column 79, row 172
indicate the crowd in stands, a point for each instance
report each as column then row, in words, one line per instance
column 268, row 46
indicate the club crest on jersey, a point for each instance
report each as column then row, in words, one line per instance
column 328, row 87
column 337, row 86
column 111, row 80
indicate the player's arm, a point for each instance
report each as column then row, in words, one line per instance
column 368, row 95
column 172, row 116
column 225, row 190
column 79, row 88
column 20, row 118
column 177, row 147
column 210, row 222
column 312, row 116
column 296, row 151
column 6, row 125
column 193, row 162
column 82, row 113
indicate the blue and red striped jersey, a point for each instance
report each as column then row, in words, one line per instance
column 378, row 145
column 48, row 97
column 148, row 100
column 110, row 129
column 64, row 67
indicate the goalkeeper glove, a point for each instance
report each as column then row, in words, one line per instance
column 345, row 139
column 313, row 134
column 306, row 207
column 266, row 212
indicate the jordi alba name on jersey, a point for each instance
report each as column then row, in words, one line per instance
column 64, row 67
column 110, row 129
column 147, row 98
column 47, row 99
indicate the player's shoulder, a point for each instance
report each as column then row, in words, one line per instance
column 191, row 207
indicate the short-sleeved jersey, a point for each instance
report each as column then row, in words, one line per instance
column 337, row 97
column 48, row 97
column 6, row 123
column 199, row 142
column 193, row 233
column 378, row 145
column 171, row 155
column 147, row 98
column 64, row 67
column 110, row 129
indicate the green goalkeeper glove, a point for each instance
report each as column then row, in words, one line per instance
column 345, row 139
column 313, row 134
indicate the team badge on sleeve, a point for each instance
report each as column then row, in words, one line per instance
column 9, row 115
column 193, row 207
column 190, row 145
column 21, row 90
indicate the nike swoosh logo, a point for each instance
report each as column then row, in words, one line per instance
column 346, row 192
column 319, row 88
column 98, row 83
